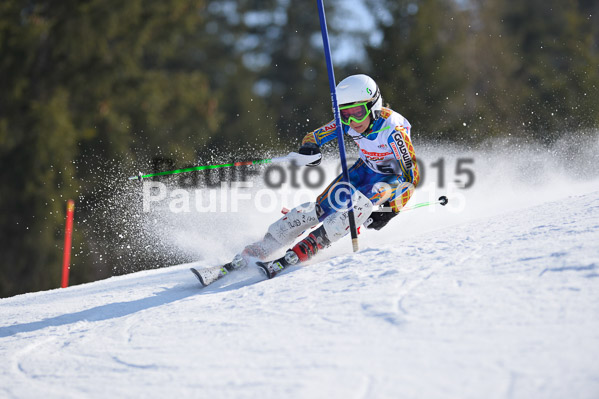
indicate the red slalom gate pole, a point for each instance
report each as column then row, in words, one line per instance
column 68, row 234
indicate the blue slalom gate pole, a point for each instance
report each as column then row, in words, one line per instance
column 329, row 61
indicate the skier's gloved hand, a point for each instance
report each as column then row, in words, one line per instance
column 311, row 149
column 379, row 219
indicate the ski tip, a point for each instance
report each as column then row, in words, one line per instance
column 443, row 200
column 198, row 275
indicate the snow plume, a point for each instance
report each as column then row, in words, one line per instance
column 212, row 215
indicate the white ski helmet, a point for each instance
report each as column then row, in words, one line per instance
column 360, row 88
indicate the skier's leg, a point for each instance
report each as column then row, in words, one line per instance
column 281, row 233
column 333, row 198
column 333, row 228
column 370, row 189
column 284, row 231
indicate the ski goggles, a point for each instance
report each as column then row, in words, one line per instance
column 354, row 112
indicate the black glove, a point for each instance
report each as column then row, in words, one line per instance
column 380, row 218
column 310, row 149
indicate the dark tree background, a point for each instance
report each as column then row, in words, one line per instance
column 90, row 90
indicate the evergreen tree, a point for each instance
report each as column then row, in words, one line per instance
column 419, row 65
column 553, row 79
column 85, row 85
column 287, row 73
column 488, row 62
column 226, row 39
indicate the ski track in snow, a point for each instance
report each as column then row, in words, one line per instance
column 498, row 307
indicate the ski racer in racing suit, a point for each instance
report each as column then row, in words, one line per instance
column 384, row 176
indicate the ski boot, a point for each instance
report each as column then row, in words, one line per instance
column 272, row 268
column 301, row 252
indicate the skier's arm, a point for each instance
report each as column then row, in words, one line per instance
column 403, row 150
column 313, row 140
column 402, row 147
column 322, row 135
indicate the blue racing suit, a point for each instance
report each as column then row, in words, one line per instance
column 386, row 170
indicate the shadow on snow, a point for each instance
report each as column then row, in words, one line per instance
column 121, row 309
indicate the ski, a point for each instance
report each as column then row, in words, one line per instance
column 209, row 275
column 212, row 274
column 274, row 267
column 270, row 269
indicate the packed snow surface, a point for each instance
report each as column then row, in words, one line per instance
column 494, row 296
column 502, row 307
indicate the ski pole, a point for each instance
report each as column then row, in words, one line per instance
column 442, row 200
column 333, row 89
column 300, row 160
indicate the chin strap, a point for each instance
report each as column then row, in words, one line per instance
column 377, row 114
column 366, row 132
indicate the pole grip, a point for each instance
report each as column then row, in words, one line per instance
column 68, row 234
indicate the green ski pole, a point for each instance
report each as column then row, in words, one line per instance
column 299, row 159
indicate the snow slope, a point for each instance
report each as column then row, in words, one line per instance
column 503, row 306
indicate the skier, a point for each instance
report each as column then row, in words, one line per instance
column 385, row 176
